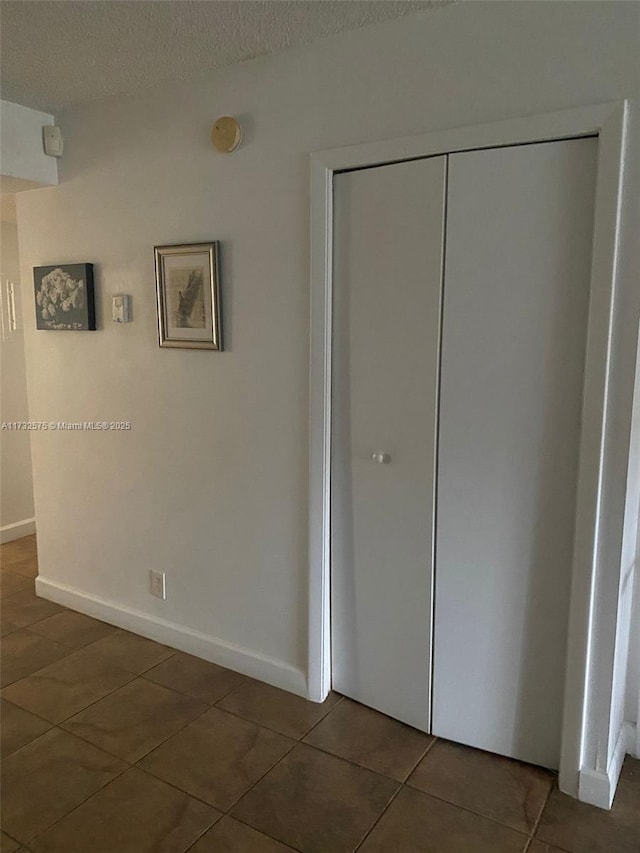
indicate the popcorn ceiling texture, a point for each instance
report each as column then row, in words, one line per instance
column 55, row 55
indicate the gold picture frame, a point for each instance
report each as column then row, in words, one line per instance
column 188, row 296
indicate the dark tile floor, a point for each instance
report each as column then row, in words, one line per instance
column 112, row 743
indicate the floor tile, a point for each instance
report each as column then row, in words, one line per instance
column 133, row 814
column 231, row 836
column 631, row 770
column 24, row 653
column 131, row 652
column 135, row 719
column 67, row 686
column 24, row 608
column 316, row 803
column 7, row 627
column 8, row 845
column 418, row 823
column 500, row 788
column 276, row 709
column 580, row 828
column 28, row 567
column 371, row 739
column 543, row 847
column 217, row 758
column 195, row 677
column 10, row 583
column 49, row 777
column 73, row 629
column 21, row 556
column 18, row 727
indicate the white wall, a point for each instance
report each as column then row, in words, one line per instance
column 16, row 485
column 22, row 154
column 211, row 483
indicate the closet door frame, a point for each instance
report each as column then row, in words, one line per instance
column 585, row 770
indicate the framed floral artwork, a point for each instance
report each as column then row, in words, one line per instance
column 64, row 297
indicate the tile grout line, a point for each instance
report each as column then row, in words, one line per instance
column 146, row 772
column 421, row 759
column 77, row 806
column 35, row 621
column 26, row 711
column 467, row 809
column 72, row 651
column 129, row 766
column 539, row 818
column 322, row 719
column 16, row 575
column 190, row 695
column 59, row 725
column 59, row 642
column 133, row 677
column 203, row 833
column 163, row 741
column 325, row 751
column 257, row 782
column 15, row 840
column 300, row 742
column 296, row 738
column 379, row 818
column 225, row 812
column 233, row 689
column 262, row 831
column 67, row 645
column 35, row 672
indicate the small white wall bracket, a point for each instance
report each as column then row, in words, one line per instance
column 52, row 141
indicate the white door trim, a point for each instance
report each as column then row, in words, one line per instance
column 608, row 122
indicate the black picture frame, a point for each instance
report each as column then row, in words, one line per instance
column 64, row 297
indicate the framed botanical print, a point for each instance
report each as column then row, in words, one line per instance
column 188, row 296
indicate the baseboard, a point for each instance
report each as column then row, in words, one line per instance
column 246, row 661
column 598, row 787
column 17, row 530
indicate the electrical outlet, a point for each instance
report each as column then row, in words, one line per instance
column 157, row 582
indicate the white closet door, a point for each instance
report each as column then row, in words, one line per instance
column 516, row 292
column 387, row 284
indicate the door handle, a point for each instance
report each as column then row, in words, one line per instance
column 381, row 458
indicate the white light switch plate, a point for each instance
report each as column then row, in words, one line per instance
column 121, row 308
column 157, row 583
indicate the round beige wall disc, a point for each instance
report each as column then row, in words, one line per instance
column 226, row 134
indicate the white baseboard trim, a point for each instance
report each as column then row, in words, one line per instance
column 17, row 530
column 246, row 661
column 598, row 787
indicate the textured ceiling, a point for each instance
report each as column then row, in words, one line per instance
column 57, row 54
